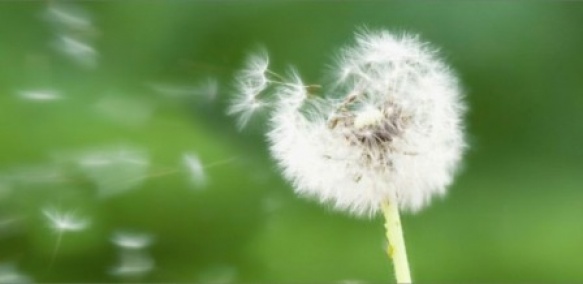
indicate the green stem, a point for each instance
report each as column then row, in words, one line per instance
column 396, row 248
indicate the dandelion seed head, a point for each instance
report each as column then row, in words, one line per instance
column 389, row 129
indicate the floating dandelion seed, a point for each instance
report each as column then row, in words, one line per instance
column 134, row 261
column 40, row 95
column 68, row 16
column 133, row 264
column 387, row 135
column 81, row 51
column 75, row 33
column 195, row 168
column 208, row 89
column 129, row 240
column 250, row 83
column 63, row 222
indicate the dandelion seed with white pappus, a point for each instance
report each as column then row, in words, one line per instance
column 134, row 261
column 127, row 240
column 250, row 83
column 63, row 222
column 195, row 168
column 40, row 95
column 386, row 136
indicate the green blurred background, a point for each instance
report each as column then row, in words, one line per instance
column 141, row 75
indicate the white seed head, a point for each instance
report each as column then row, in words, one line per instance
column 390, row 128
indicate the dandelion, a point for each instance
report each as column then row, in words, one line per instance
column 386, row 135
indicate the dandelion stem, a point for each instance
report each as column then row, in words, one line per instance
column 396, row 248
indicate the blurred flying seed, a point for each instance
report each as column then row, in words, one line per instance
column 133, row 265
column 195, row 168
column 130, row 240
column 65, row 221
column 75, row 32
column 40, row 95
column 208, row 89
column 78, row 50
column 68, row 17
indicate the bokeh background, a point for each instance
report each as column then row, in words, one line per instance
column 113, row 113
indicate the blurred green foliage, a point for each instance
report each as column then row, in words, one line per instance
column 514, row 214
